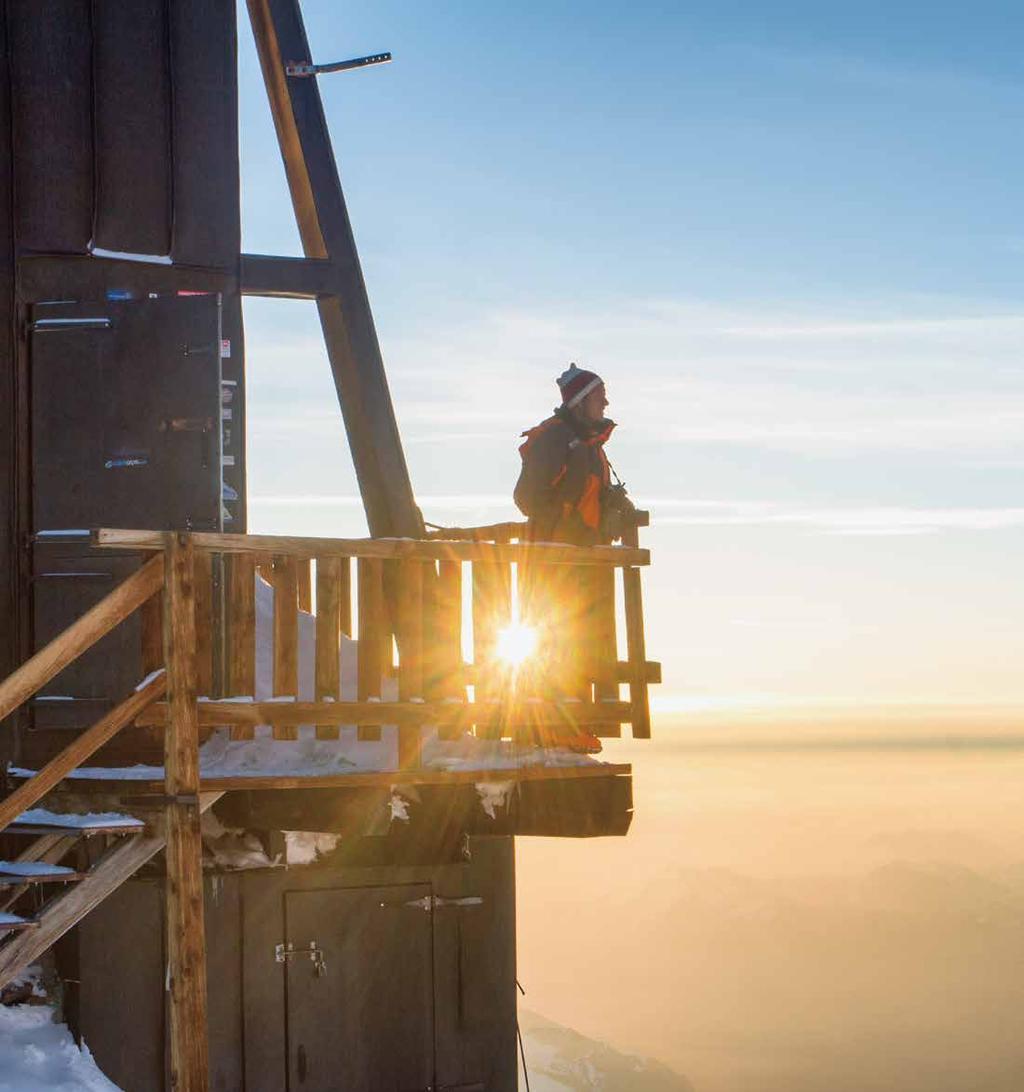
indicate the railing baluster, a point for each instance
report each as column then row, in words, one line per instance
column 204, row 622
column 286, row 637
column 600, row 623
column 328, row 635
column 409, row 604
column 372, row 625
column 446, row 639
column 637, row 653
column 492, row 607
column 304, row 582
column 242, row 634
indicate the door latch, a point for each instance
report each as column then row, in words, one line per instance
column 438, row 902
column 285, row 952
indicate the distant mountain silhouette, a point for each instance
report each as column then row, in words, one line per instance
column 559, row 1059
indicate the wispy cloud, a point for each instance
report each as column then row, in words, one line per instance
column 698, row 512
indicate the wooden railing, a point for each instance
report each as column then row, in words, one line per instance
column 412, row 597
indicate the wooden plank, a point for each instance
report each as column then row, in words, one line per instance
column 242, row 633
column 116, row 866
column 304, row 585
column 396, row 548
column 328, row 636
column 81, row 635
column 623, row 672
column 285, row 278
column 204, row 622
column 637, row 653
column 409, row 595
column 293, row 713
column 88, row 743
column 186, row 941
column 385, row 778
column 599, row 624
column 286, row 637
column 372, row 624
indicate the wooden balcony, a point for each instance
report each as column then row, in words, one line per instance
column 389, row 652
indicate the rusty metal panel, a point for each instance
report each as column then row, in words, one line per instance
column 132, row 98
column 51, row 78
column 207, row 229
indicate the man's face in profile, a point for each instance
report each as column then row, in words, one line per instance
column 593, row 406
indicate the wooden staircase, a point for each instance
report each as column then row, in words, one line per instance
column 130, row 843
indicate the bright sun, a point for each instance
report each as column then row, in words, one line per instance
column 516, row 644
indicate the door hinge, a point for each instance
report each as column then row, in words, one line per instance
column 284, row 952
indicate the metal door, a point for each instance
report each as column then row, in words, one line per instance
column 360, row 1004
column 125, row 404
column 126, row 414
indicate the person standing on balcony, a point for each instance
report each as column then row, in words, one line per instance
column 565, row 481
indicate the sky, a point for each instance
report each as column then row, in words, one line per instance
column 787, row 236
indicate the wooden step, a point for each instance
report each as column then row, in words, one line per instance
column 19, row 873
column 11, row 923
column 41, row 821
column 69, row 907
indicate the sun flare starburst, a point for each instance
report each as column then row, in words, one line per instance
column 516, row 644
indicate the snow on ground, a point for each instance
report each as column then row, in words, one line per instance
column 38, row 1055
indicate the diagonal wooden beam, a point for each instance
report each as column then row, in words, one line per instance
column 83, row 747
column 326, row 233
column 97, row 622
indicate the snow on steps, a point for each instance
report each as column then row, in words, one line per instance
column 42, row 821
column 18, row 873
column 11, row 923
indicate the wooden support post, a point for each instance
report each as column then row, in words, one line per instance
column 186, row 940
column 242, row 634
column 328, row 635
column 409, row 602
column 286, row 637
column 372, row 624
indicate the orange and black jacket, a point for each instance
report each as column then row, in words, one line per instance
column 564, row 478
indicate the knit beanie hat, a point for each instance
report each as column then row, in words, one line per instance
column 575, row 384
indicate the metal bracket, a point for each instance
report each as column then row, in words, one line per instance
column 307, row 68
column 284, row 952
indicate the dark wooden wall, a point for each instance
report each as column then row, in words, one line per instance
column 118, row 133
column 472, row 968
column 8, row 443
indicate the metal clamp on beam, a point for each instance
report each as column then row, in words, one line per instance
column 307, row 68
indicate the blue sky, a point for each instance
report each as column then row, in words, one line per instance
column 789, row 238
